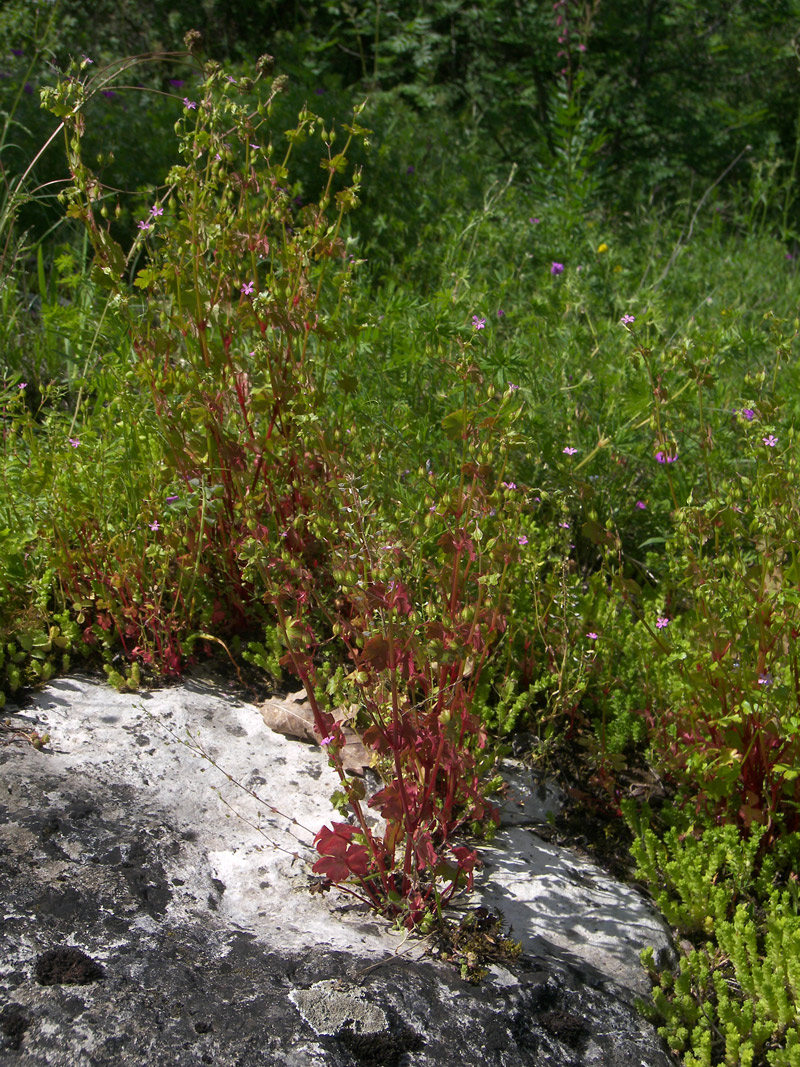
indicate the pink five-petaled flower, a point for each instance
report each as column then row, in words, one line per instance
column 509, row 485
column 156, row 210
column 592, row 635
column 189, row 104
column 661, row 622
column 556, row 268
column 512, row 388
column 328, row 740
column 155, row 525
column 478, row 323
column 74, row 441
column 640, row 504
column 22, row 385
column 626, row 320
column 770, row 441
column 569, row 451
column 248, row 288
column 523, row 540
column 143, row 224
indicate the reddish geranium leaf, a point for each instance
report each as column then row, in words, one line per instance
column 332, row 841
column 332, row 867
column 467, row 861
column 376, row 652
column 339, row 856
column 425, row 852
column 358, row 860
column 375, row 737
column 388, row 803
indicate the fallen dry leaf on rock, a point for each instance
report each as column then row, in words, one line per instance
column 292, row 716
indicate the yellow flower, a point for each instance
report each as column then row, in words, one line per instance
column 603, row 247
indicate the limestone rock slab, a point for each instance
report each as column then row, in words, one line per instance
column 145, row 923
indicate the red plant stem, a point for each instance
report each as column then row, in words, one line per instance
column 320, row 724
column 410, row 823
column 431, row 775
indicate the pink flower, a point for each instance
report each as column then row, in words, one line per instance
column 770, row 441
column 478, row 323
column 556, row 268
column 640, row 504
column 661, row 622
column 328, row 740
column 248, row 288
column 569, row 451
column 189, row 104
column 509, row 485
column 665, row 457
column 156, row 210
column 74, row 441
column 523, row 540
column 154, row 525
column 626, row 320
column 592, row 635
column 143, row 225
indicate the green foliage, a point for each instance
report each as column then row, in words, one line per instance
column 735, row 997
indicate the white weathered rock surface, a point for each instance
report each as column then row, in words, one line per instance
column 254, row 860
column 561, row 905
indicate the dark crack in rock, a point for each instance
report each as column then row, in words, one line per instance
column 66, row 965
column 13, row 1023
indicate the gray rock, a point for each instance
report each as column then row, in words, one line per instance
column 562, row 906
column 144, row 923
